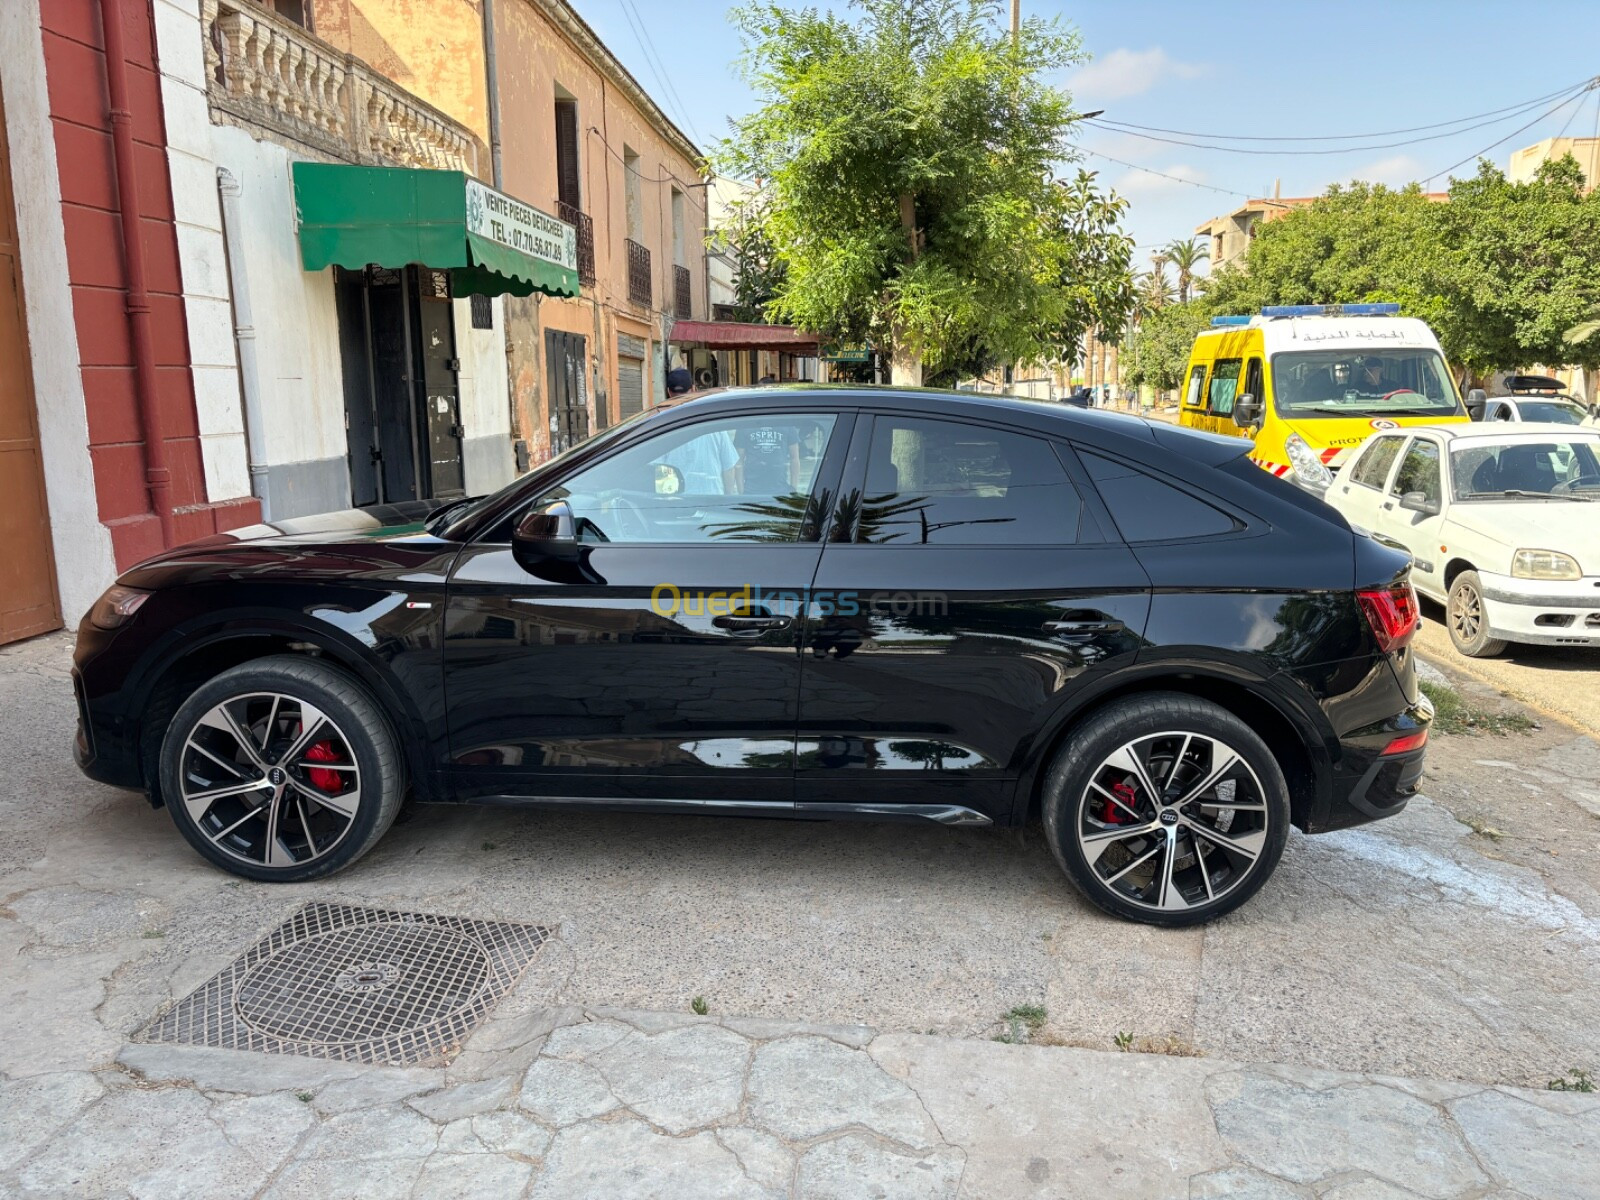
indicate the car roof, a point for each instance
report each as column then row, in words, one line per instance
column 1503, row 431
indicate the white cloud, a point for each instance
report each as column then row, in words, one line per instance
column 1123, row 73
column 1396, row 170
column 1142, row 184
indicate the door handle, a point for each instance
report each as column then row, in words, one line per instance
column 1078, row 630
column 1388, row 504
column 747, row 626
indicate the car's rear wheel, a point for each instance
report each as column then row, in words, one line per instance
column 281, row 769
column 1166, row 809
column 1468, row 618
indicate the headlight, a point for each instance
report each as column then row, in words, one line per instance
column 1308, row 468
column 117, row 606
column 1544, row 564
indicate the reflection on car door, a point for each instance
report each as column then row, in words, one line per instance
column 970, row 586
column 664, row 667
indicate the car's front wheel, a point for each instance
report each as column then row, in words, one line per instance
column 1166, row 809
column 1468, row 618
column 281, row 769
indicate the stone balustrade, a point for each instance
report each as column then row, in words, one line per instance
column 266, row 73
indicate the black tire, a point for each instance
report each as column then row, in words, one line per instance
column 1467, row 619
column 336, row 827
column 1170, row 719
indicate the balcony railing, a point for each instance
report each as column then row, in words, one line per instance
column 584, row 224
column 265, row 72
column 638, row 273
column 682, row 293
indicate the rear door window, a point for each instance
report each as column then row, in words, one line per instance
column 1145, row 509
column 1373, row 469
column 1224, row 386
column 955, row 483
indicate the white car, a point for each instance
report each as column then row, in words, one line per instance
column 1532, row 398
column 1502, row 522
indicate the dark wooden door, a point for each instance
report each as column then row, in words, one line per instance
column 567, row 378
column 439, row 427
column 28, row 600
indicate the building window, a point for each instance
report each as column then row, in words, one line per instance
column 568, row 189
column 633, row 183
column 677, row 226
column 482, row 312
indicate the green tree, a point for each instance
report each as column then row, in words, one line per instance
column 1159, row 349
column 908, row 151
column 757, row 270
column 1185, row 254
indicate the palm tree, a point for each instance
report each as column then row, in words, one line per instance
column 1185, row 255
column 1152, row 291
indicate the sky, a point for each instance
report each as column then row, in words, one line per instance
column 1301, row 68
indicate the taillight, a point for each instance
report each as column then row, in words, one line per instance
column 1392, row 613
column 1407, row 742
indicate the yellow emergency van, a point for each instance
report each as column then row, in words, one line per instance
column 1308, row 383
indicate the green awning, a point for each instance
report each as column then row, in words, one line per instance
column 490, row 242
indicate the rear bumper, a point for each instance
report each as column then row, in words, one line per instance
column 1371, row 783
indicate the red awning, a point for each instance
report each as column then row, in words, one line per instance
column 741, row 335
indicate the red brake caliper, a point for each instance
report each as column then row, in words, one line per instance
column 328, row 781
column 1115, row 814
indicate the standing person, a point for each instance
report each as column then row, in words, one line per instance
column 709, row 464
column 769, row 458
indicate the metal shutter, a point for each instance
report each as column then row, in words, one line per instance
column 630, row 386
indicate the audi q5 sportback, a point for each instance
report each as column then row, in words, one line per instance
column 802, row 602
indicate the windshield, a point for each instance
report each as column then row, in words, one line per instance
column 1562, row 412
column 1348, row 383
column 448, row 519
column 1557, row 468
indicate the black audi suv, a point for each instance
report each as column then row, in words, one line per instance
column 799, row 602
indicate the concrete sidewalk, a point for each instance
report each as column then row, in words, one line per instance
column 620, row 1104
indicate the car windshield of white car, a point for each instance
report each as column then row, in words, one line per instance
column 1559, row 412
column 1557, row 469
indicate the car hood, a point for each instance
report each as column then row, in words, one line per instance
column 1563, row 525
column 347, row 524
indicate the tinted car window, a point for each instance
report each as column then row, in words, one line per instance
column 733, row 479
column 1197, row 383
column 1147, row 510
column 1224, row 385
column 1376, row 459
column 952, row 483
column 1419, row 471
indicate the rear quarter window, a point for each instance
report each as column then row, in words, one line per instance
column 1146, row 509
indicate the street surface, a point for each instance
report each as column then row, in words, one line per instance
column 1459, row 941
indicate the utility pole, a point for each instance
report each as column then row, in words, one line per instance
column 1016, row 22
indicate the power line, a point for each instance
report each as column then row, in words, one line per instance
column 1362, row 149
column 1548, row 112
column 1162, row 174
column 1348, row 137
column 657, row 67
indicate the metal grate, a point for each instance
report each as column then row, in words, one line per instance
column 639, row 291
column 358, row 985
column 682, row 293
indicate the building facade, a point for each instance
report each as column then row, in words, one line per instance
column 224, row 302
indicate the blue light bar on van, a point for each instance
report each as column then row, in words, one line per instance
column 1230, row 320
column 1330, row 310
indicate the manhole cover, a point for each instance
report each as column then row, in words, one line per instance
column 357, row 984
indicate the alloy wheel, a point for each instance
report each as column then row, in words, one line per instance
column 270, row 779
column 1466, row 612
column 1172, row 821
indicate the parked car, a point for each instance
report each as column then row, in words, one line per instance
column 966, row 609
column 1531, row 398
column 1498, row 521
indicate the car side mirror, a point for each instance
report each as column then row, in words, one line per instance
column 1419, row 502
column 1246, row 411
column 1477, row 398
column 668, row 480
column 547, row 533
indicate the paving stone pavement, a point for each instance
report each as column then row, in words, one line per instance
column 619, row 1105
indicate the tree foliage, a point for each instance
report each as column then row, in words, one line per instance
column 908, row 150
column 1159, row 350
column 1185, row 254
column 1501, row 270
column 758, row 272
